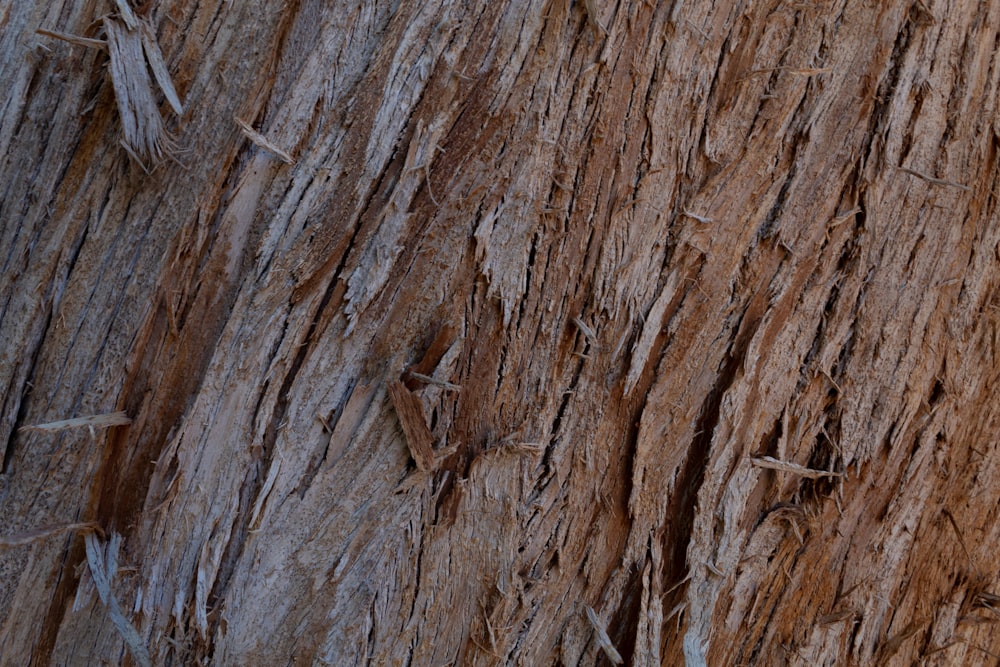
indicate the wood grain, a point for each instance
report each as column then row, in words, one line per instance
column 721, row 233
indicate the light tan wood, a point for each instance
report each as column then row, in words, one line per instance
column 698, row 315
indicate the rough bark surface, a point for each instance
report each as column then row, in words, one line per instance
column 636, row 275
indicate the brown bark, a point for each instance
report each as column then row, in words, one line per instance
column 572, row 330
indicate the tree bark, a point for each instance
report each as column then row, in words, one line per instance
column 501, row 333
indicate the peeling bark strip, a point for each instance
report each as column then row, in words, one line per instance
column 772, row 463
column 602, row 637
column 73, row 39
column 142, row 127
column 92, row 421
column 650, row 287
column 133, row 53
column 261, row 141
column 411, row 417
column 37, row 534
column 103, row 562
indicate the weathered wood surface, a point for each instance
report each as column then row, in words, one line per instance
column 654, row 262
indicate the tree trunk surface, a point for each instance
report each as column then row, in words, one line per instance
column 499, row 333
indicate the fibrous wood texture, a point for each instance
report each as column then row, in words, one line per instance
column 698, row 301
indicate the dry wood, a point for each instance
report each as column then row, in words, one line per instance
column 592, row 17
column 772, row 463
column 90, row 421
column 931, row 179
column 36, row 534
column 143, row 133
column 430, row 380
column 728, row 369
column 103, row 562
column 260, row 140
column 134, row 52
column 74, row 39
column 411, row 417
column 602, row 637
column 159, row 68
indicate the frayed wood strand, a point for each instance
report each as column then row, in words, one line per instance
column 772, row 463
column 142, row 125
column 74, row 39
column 603, row 640
column 261, row 141
column 427, row 379
column 134, row 53
column 156, row 63
column 103, row 562
column 45, row 532
column 127, row 15
column 90, row 421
